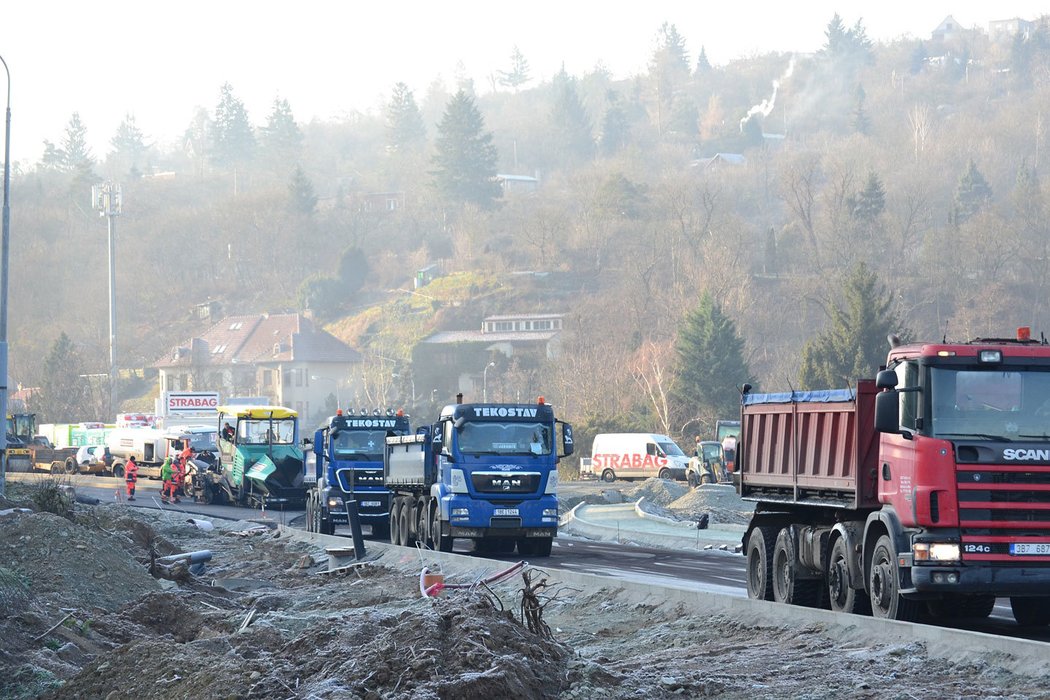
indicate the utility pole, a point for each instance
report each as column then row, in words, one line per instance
column 5, row 247
column 106, row 199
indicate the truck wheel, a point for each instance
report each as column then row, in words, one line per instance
column 56, row 467
column 1031, row 612
column 542, row 548
column 309, row 512
column 665, row 473
column 441, row 542
column 705, row 479
column 422, row 519
column 71, row 466
column 526, row 547
column 404, row 523
column 118, row 470
column 759, row 562
column 691, row 479
column 209, row 495
column 395, row 521
column 883, row 585
column 842, row 597
column 789, row 585
column 327, row 527
column 608, row 475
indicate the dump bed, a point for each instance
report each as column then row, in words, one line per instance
column 408, row 463
column 812, row 447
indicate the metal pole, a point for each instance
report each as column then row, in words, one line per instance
column 112, row 315
column 5, row 248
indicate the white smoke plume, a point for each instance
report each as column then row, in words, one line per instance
column 766, row 106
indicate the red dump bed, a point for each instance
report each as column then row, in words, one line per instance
column 814, row 447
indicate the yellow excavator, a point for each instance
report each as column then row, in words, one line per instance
column 20, row 429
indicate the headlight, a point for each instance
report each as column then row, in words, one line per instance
column 460, row 513
column 459, row 482
column 935, row 551
column 334, row 503
column 550, row 512
column 552, row 483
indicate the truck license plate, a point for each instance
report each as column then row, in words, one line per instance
column 1021, row 548
column 370, row 504
column 506, row 511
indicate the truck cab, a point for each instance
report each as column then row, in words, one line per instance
column 348, row 465
column 260, row 459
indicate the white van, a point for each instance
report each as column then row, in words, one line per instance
column 637, row 456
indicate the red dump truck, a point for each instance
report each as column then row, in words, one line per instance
column 924, row 491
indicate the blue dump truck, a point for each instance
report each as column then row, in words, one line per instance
column 348, row 463
column 485, row 472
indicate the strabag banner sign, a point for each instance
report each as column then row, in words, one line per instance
column 196, row 402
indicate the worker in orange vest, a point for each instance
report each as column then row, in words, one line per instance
column 178, row 475
column 131, row 475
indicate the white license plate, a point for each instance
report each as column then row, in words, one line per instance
column 1021, row 548
column 371, row 504
column 506, row 511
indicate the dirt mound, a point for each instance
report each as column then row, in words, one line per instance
column 662, row 492
column 721, row 503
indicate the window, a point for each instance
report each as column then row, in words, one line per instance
column 908, row 375
column 236, row 326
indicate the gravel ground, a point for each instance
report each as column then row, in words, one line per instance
column 83, row 618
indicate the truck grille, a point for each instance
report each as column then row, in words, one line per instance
column 1000, row 506
column 505, row 482
column 363, row 478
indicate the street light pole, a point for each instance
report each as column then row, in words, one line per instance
column 5, row 247
column 106, row 198
column 485, row 382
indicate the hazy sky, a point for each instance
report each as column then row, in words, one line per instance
column 159, row 61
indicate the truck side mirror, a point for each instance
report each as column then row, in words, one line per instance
column 886, row 379
column 887, row 413
column 568, row 446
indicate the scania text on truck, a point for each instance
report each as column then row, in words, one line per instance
column 927, row 489
column 260, row 459
column 348, row 463
column 485, row 472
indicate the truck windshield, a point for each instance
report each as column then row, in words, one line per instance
column 670, row 449
column 990, row 404
column 263, row 432
column 505, row 438
column 359, row 445
column 201, row 442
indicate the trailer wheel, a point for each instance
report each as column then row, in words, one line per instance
column 759, row 562
column 395, row 521
column 884, row 585
column 441, row 542
column 1031, row 612
column 404, row 525
column 56, row 467
column 789, row 586
column 422, row 518
column 608, row 475
column 71, row 465
column 842, row 597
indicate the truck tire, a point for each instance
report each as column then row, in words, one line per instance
column 542, row 548
column 441, row 542
column 789, row 582
column 608, row 476
column 395, row 521
column 760, row 562
column 691, row 479
column 327, row 527
column 310, row 513
column 842, row 598
column 56, row 467
column 118, row 470
column 71, row 466
column 404, row 525
column 422, row 518
column 1031, row 612
column 887, row 602
column 665, row 473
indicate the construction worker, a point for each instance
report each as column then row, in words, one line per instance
column 178, row 475
column 165, row 476
column 131, row 475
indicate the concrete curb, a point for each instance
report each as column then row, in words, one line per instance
column 689, row 538
column 959, row 646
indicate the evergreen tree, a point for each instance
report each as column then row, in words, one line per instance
column 53, row 157
column 972, row 193
column 1027, row 194
column 301, row 193
column 854, row 344
column 405, row 130
column 861, row 123
column 129, row 145
column 76, row 154
column 353, row 270
column 233, row 139
column 712, row 367
column 321, row 295
column 281, row 138
column 836, row 36
column 703, row 66
column 465, row 162
column 867, row 205
column 65, row 395
column 518, row 74
column 570, row 126
column 615, row 129
column 668, row 71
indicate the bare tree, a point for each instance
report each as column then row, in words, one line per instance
column 919, row 121
column 651, row 372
